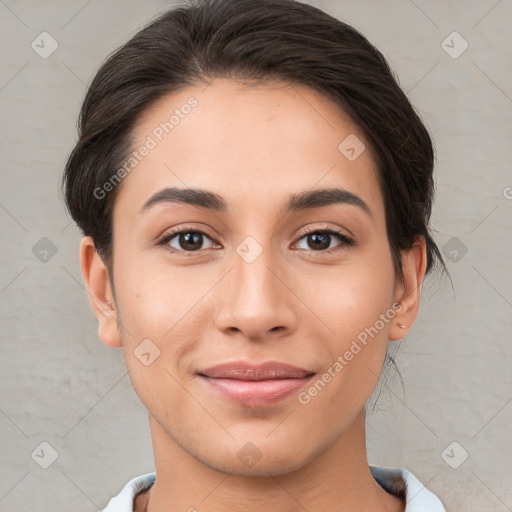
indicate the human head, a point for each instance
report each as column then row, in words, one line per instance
column 266, row 45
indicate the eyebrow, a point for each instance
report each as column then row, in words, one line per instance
column 301, row 201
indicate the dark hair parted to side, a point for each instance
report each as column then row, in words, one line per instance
column 252, row 40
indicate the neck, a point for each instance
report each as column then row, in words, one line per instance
column 337, row 480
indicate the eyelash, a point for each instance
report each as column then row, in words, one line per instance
column 345, row 240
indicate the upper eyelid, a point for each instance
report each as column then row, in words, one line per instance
column 331, row 229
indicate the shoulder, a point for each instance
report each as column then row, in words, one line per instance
column 123, row 502
column 401, row 482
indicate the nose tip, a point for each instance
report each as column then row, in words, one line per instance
column 254, row 300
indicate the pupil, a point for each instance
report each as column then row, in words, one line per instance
column 190, row 239
column 322, row 238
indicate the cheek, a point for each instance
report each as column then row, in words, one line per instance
column 351, row 298
column 354, row 350
column 152, row 298
column 170, row 308
column 158, row 337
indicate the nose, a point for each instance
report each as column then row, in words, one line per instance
column 255, row 298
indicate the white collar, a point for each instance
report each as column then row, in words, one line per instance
column 400, row 481
column 394, row 480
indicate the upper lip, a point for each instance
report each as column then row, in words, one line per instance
column 241, row 370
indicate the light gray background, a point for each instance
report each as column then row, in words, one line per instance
column 60, row 385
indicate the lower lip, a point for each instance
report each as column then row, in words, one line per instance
column 255, row 393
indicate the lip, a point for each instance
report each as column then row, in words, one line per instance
column 255, row 385
column 241, row 370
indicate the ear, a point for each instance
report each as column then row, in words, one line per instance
column 97, row 282
column 408, row 290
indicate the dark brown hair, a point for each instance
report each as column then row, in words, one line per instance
column 257, row 41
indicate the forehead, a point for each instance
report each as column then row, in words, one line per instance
column 258, row 142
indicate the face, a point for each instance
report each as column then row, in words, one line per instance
column 259, row 272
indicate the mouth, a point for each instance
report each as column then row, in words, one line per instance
column 255, row 385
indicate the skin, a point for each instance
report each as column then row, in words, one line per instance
column 254, row 146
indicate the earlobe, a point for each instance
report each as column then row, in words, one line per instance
column 97, row 282
column 414, row 264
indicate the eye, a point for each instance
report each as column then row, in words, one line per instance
column 320, row 240
column 185, row 240
column 190, row 240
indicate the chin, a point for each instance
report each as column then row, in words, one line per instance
column 260, row 469
column 249, row 461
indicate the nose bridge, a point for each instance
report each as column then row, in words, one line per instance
column 255, row 300
column 256, row 286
